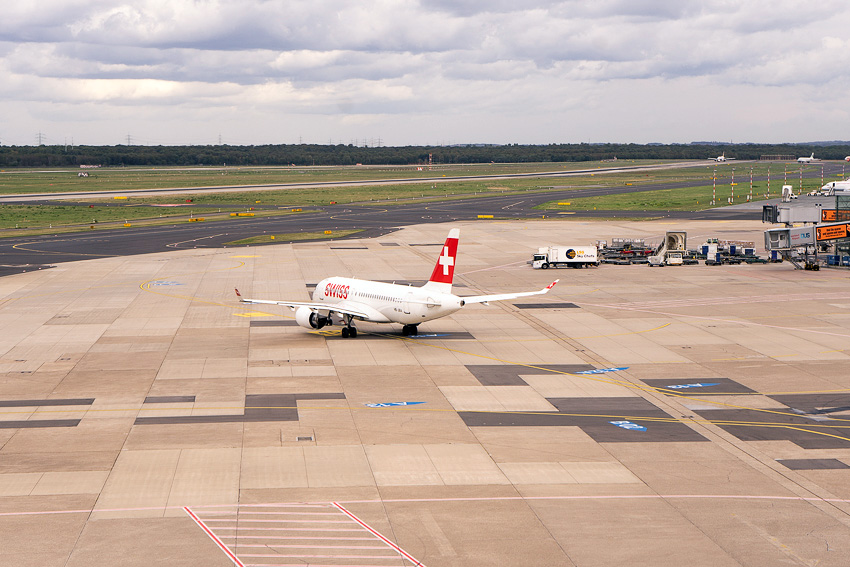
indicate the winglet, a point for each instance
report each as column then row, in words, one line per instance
column 550, row 286
column 239, row 295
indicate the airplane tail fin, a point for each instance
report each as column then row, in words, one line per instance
column 444, row 269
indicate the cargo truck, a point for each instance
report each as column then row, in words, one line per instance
column 561, row 256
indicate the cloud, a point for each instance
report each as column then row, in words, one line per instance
column 399, row 60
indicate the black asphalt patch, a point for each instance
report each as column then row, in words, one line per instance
column 509, row 374
column 52, row 402
column 546, row 306
column 725, row 386
column 816, row 403
column 280, row 323
column 422, row 336
column 594, row 417
column 813, row 464
column 752, row 425
column 258, row 408
column 36, row 423
column 169, row 399
column 8, row 269
column 451, row 335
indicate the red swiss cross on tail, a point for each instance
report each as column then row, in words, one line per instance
column 444, row 270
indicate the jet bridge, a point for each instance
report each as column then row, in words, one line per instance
column 793, row 244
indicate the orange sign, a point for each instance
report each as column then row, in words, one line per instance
column 832, row 232
column 831, row 215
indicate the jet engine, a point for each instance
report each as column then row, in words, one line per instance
column 310, row 319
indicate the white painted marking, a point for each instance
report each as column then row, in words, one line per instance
column 446, row 260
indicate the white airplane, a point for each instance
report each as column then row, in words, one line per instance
column 809, row 159
column 721, row 157
column 847, row 158
column 379, row 302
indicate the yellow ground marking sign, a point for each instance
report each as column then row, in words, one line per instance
column 328, row 332
column 254, row 314
column 246, row 256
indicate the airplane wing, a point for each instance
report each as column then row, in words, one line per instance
column 335, row 307
column 499, row 297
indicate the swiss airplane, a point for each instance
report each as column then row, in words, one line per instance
column 378, row 302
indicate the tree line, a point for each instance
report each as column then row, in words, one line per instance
column 306, row 154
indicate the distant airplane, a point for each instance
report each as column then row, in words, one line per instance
column 847, row 158
column 809, row 159
column 379, row 302
column 721, row 157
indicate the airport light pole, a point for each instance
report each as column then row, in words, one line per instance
column 714, row 189
column 768, row 182
column 732, row 198
column 750, row 198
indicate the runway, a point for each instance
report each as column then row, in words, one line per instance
column 19, row 253
column 32, row 253
column 692, row 415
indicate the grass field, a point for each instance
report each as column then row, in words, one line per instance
column 68, row 217
column 17, row 181
column 294, row 236
column 682, row 199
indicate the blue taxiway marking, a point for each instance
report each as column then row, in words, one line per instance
column 602, row 370
column 697, row 385
column 628, row 425
column 392, row 404
column 166, row 283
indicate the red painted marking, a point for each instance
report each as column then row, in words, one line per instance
column 217, row 541
column 241, row 529
column 374, row 532
column 303, row 565
column 279, row 521
column 298, row 538
column 305, row 546
column 321, row 556
column 444, row 270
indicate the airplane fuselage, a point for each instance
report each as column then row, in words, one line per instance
column 385, row 302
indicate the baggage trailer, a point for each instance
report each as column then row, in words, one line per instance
column 565, row 256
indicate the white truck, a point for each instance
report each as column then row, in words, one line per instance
column 559, row 256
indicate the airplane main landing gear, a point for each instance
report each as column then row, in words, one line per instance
column 409, row 330
column 349, row 330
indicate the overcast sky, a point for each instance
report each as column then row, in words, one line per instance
column 404, row 72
